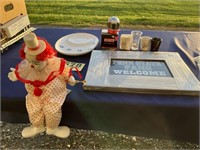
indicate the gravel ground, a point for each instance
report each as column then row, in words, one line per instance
column 83, row 139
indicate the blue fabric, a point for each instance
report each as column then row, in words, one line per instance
column 160, row 116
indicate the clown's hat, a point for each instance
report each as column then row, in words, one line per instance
column 33, row 45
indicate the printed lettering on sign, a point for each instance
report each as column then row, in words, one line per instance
column 139, row 68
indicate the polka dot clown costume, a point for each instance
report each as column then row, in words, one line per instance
column 45, row 77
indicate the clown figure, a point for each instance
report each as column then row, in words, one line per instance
column 45, row 77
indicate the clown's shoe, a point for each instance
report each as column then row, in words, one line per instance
column 61, row 132
column 32, row 131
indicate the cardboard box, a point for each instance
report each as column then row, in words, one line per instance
column 10, row 9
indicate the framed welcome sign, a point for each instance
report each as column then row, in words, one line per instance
column 140, row 72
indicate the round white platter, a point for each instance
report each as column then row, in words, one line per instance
column 76, row 44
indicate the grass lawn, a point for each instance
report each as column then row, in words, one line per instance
column 136, row 14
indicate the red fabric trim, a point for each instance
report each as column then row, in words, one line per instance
column 35, row 48
column 51, row 77
column 38, row 83
column 79, row 74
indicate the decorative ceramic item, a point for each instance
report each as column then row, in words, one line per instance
column 76, row 44
column 45, row 77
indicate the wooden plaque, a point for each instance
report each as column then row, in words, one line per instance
column 140, row 72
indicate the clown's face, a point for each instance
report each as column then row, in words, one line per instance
column 37, row 65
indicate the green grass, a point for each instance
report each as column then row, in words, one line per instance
column 140, row 14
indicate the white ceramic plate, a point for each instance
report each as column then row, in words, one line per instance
column 76, row 44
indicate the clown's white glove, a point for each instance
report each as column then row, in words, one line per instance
column 71, row 81
column 11, row 75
